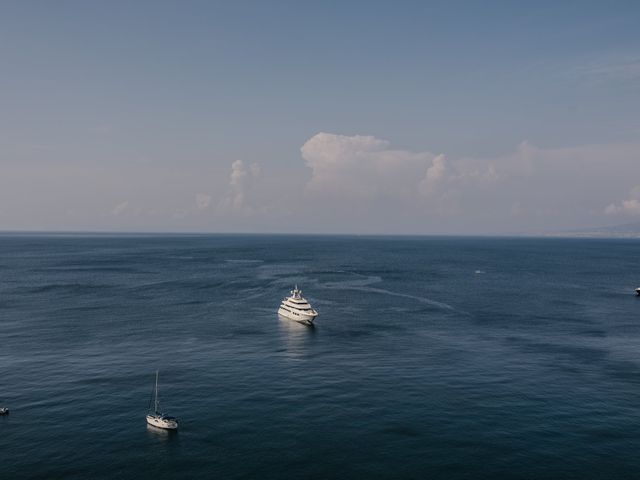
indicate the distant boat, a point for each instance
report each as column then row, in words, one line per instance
column 4, row 411
column 157, row 418
column 297, row 308
column 638, row 291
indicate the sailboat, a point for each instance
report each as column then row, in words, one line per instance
column 157, row 418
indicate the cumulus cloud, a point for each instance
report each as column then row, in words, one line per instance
column 241, row 186
column 354, row 183
column 434, row 175
column 363, row 166
column 528, row 187
column 630, row 206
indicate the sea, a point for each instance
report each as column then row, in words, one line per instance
column 431, row 357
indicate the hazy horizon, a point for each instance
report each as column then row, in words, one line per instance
column 412, row 118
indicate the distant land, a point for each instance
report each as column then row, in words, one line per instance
column 627, row 230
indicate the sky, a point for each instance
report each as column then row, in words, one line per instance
column 364, row 117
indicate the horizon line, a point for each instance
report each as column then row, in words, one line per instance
column 567, row 235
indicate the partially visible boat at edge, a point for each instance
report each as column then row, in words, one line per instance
column 638, row 291
column 4, row 410
column 297, row 308
column 157, row 418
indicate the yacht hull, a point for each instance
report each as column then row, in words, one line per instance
column 298, row 317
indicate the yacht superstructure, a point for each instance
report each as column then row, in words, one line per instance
column 297, row 308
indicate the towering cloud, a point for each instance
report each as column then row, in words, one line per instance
column 529, row 187
column 353, row 183
column 434, row 175
column 364, row 167
column 241, row 184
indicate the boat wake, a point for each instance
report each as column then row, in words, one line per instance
column 363, row 285
column 428, row 301
column 356, row 283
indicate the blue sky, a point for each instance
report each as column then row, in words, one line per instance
column 147, row 105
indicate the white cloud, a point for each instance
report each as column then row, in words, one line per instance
column 241, row 187
column 627, row 207
column 434, row 175
column 354, row 184
column 630, row 206
column 377, row 184
column 363, row 167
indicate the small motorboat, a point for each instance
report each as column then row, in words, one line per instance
column 4, row 411
column 157, row 418
column 638, row 292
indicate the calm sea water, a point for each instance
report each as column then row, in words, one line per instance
column 440, row 358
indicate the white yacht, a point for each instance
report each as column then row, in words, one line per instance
column 158, row 419
column 297, row 308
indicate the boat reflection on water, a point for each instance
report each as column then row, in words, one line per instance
column 297, row 336
column 161, row 433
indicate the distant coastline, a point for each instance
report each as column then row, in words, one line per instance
column 627, row 230
column 595, row 234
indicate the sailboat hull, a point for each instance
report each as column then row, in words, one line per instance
column 159, row 422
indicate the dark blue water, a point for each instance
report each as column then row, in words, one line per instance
column 419, row 366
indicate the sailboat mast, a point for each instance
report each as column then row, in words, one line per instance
column 156, row 403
